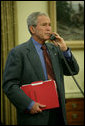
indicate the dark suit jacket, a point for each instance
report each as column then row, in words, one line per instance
column 24, row 66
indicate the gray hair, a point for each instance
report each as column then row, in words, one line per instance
column 32, row 19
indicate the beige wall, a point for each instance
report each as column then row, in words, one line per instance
column 24, row 8
column 70, row 87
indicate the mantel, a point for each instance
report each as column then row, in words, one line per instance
column 73, row 95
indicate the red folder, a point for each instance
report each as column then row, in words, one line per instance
column 43, row 92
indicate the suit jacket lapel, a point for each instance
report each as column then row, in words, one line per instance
column 35, row 60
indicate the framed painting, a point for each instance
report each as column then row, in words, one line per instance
column 67, row 19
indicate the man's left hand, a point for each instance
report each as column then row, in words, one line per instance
column 59, row 42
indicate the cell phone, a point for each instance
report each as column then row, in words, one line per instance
column 52, row 37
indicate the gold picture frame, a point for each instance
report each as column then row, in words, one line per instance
column 73, row 44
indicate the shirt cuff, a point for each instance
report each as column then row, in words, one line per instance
column 67, row 53
column 31, row 105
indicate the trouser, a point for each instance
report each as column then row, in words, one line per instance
column 47, row 117
column 56, row 117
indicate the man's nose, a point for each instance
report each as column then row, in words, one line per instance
column 48, row 27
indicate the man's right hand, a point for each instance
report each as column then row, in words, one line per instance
column 36, row 108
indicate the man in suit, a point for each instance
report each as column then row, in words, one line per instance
column 26, row 64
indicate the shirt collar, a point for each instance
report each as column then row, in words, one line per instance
column 36, row 44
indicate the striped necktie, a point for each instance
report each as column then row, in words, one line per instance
column 48, row 63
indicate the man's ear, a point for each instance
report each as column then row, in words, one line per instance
column 32, row 29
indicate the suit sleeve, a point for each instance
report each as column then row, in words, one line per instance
column 72, row 63
column 11, row 81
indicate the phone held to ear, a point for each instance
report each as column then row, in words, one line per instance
column 52, row 37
